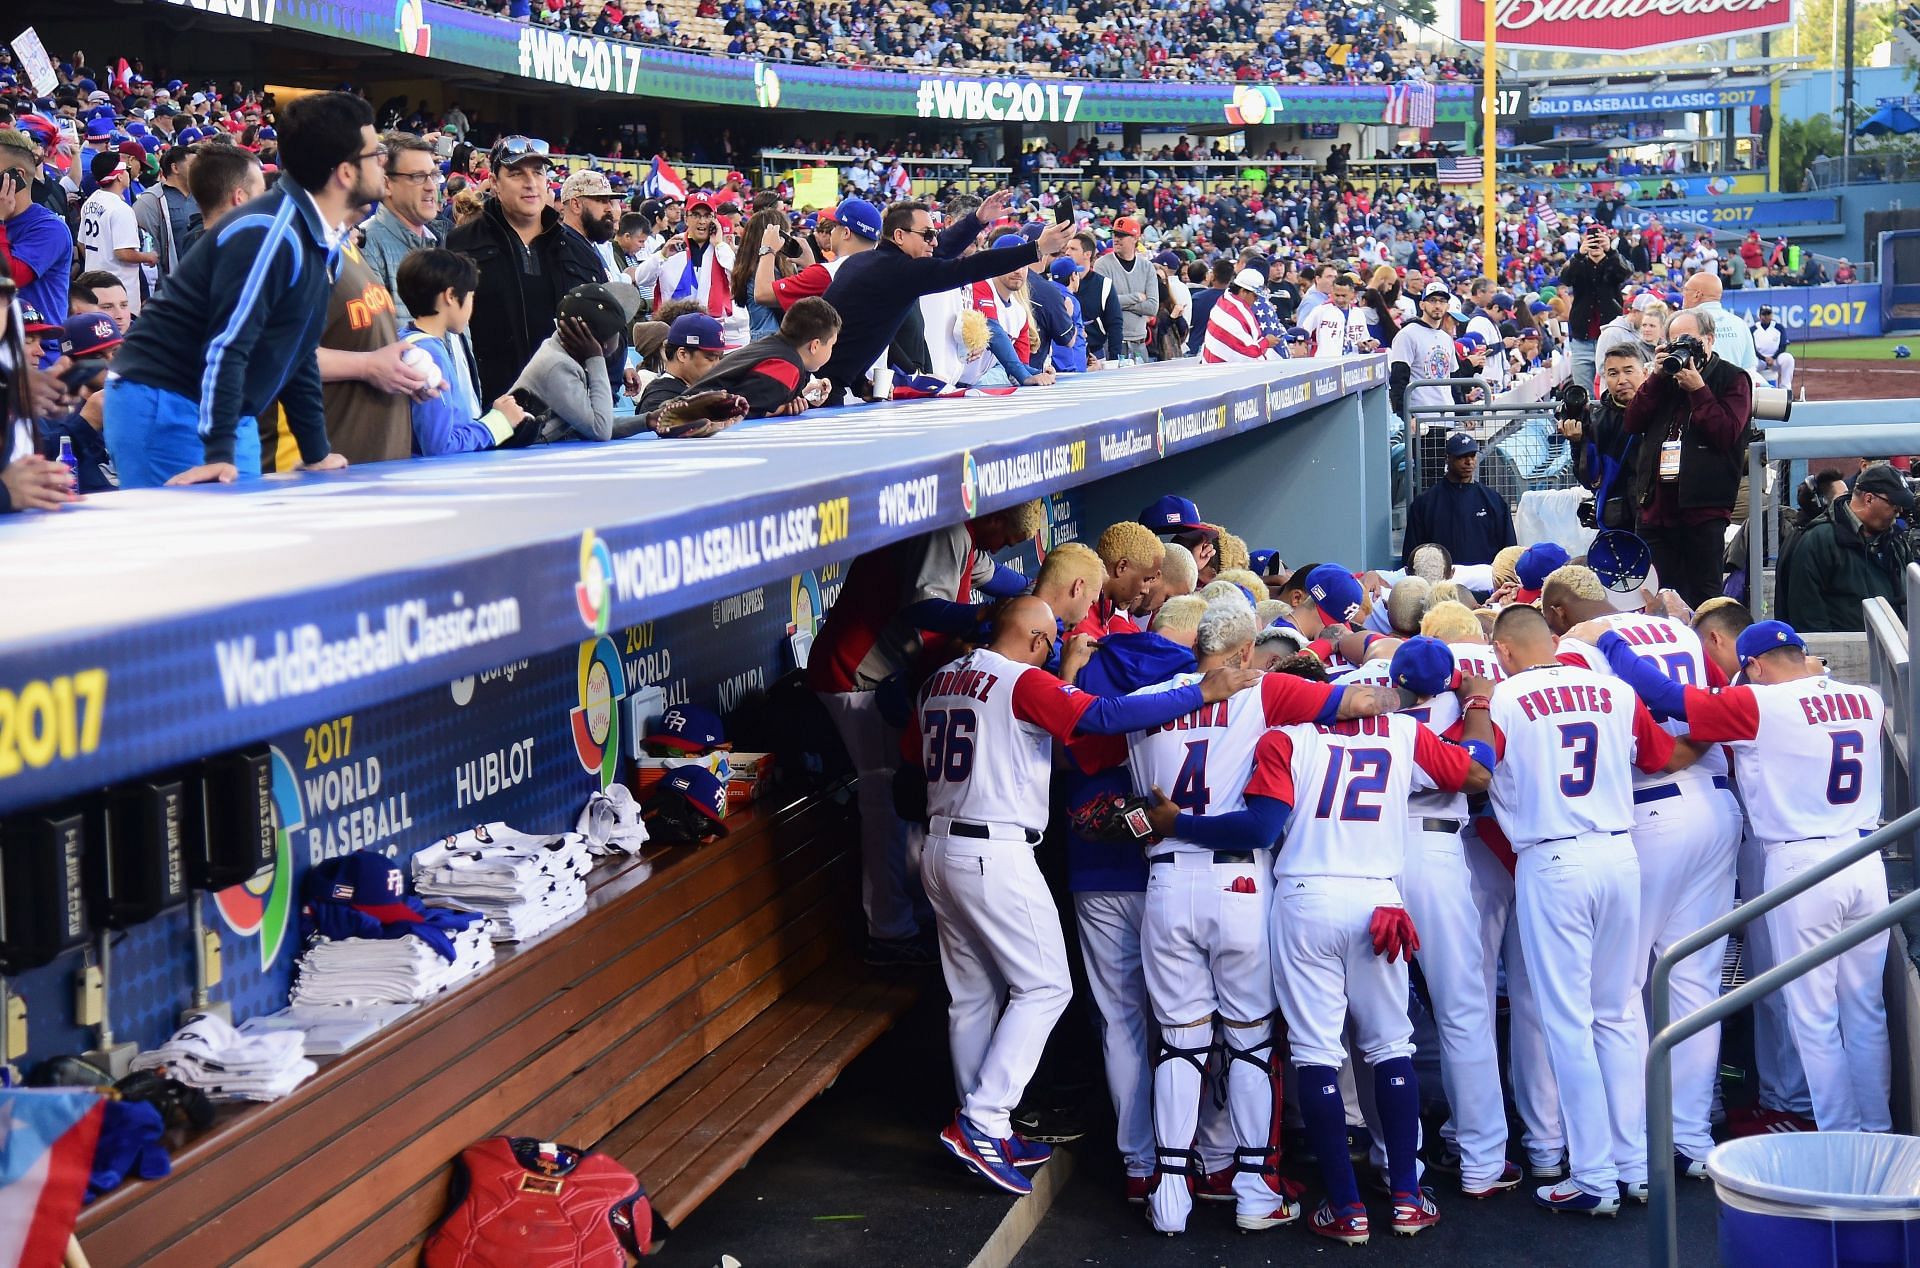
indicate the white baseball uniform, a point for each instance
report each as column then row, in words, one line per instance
column 1686, row 832
column 1563, row 795
column 1204, row 935
column 1769, row 341
column 1807, row 753
column 1438, row 890
column 1337, row 332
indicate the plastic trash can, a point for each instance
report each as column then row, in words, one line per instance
column 1819, row 1200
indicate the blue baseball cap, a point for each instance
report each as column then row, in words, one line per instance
column 1621, row 560
column 703, row 791
column 1536, row 563
column 1010, row 240
column 1503, row 300
column 370, row 883
column 100, row 128
column 1262, row 561
column 696, row 330
column 1461, row 443
column 268, row 134
column 1472, row 339
column 1296, row 334
column 1423, row 666
column 1172, row 513
column 1766, row 636
column 1335, row 593
column 1063, row 269
column 1539, row 306
column 186, row 136
column 688, row 728
column 858, row 217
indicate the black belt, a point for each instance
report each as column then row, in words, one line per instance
column 1442, row 825
column 1242, row 857
column 981, row 831
column 1660, row 792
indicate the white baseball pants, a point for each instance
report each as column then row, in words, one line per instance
column 1687, row 841
column 1783, row 1084
column 1579, row 903
column 1324, row 969
column 886, row 843
column 999, row 938
column 1110, row 948
column 1838, row 1013
column 1529, row 1072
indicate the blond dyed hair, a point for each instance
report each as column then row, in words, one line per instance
column 1068, row 563
column 1233, row 553
column 1132, row 541
column 1180, row 615
column 1577, row 580
column 1452, row 622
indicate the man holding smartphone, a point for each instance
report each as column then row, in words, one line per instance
column 1594, row 277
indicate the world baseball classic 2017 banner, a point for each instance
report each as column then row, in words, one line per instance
column 1620, row 26
column 476, row 39
column 1812, row 312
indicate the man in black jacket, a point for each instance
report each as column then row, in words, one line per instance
column 1595, row 277
column 1854, row 550
column 520, row 245
column 1603, row 451
column 873, row 291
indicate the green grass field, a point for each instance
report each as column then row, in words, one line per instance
column 1853, row 349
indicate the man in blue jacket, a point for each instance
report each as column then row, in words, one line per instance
column 239, row 322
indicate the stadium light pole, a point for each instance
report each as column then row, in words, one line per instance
column 1489, row 112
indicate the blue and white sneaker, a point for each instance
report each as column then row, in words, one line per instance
column 1635, row 1191
column 1027, row 1153
column 1566, row 1196
column 987, row 1156
column 1688, row 1168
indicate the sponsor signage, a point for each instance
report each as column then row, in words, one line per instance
column 1617, row 103
column 1620, row 26
column 1737, row 215
column 1812, row 313
column 1649, row 188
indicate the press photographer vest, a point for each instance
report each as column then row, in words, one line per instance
column 1708, row 478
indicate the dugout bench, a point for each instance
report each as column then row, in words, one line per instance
column 675, row 1024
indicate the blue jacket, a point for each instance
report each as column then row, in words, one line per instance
column 237, row 325
column 451, row 421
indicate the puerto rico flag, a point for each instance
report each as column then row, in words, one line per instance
column 46, row 1152
column 663, row 181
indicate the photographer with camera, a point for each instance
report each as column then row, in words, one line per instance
column 1603, row 450
column 1691, row 417
column 1595, row 277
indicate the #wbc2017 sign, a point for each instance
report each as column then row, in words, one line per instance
column 1620, row 25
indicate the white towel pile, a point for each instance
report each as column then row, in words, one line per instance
column 362, row 971
column 211, row 1055
column 525, row 884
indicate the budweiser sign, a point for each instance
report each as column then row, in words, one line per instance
column 1620, row 26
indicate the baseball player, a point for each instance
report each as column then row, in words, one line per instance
column 1563, row 796
column 1686, row 832
column 1203, row 937
column 1337, row 327
column 863, row 644
column 1770, row 345
column 1133, row 556
column 1807, row 752
column 1438, row 889
column 983, row 732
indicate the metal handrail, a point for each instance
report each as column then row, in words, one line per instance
column 1664, row 1229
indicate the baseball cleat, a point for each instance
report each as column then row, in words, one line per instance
column 1027, row 1153
column 1553, row 1170
column 985, row 1155
column 1688, row 1168
column 1413, row 1212
column 1284, row 1211
column 1446, row 1159
column 1049, row 1126
column 914, row 953
column 1137, row 1189
column 1635, row 1191
column 1760, row 1121
column 1509, row 1178
column 1215, row 1186
column 1566, row 1196
column 1347, row 1225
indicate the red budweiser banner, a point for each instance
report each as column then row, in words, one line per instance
column 1621, row 26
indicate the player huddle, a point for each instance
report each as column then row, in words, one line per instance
column 1269, row 813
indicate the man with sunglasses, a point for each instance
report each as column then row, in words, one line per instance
column 1854, row 550
column 237, row 327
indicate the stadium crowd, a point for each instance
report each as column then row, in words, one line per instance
column 472, row 297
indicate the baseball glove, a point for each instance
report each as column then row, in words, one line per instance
column 698, row 414
column 1112, row 817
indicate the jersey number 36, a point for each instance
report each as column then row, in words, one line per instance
column 949, row 740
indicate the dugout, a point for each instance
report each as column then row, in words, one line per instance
column 414, row 648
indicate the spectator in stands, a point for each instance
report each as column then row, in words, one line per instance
column 166, row 213
column 1854, row 550
column 28, row 481
column 696, row 263
column 222, row 178
column 1012, row 325
column 1056, row 323
column 1595, row 277
column 1099, row 303
column 1733, row 342
column 1466, row 517
column 1687, row 466
column 776, row 375
column 437, row 287
column 568, row 372
column 86, row 337
column 1069, row 355
column 525, row 267
column 1134, row 282
column 101, row 292
column 38, row 247
column 693, row 345
column 408, row 220
column 1844, row 273
column 1219, row 278
column 1233, row 332
column 1319, row 293
column 590, row 213
column 767, row 240
column 854, row 227
column 238, row 326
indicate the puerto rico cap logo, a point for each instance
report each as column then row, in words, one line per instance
column 593, row 595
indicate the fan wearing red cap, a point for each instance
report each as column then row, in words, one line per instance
column 109, row 236
column 696, row 264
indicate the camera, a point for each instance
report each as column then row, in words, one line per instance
column 1683, row 351
column 1574, row 400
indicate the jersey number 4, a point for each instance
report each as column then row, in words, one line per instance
column 1363, row 772
column 949, row 739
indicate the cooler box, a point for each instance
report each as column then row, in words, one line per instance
column 1819, row 1200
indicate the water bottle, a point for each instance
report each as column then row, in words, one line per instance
column 71, row 463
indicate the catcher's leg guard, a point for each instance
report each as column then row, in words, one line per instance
column 1179, row 1068
column 1253, row 1100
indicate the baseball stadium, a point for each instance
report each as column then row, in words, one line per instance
column 999, row 633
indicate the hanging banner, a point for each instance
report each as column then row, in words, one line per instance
column 1620, row 26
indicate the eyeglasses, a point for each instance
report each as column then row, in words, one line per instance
column 418, row 177
column 377, row 152
column 925, row 235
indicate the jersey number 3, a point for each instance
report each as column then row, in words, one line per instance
column 949, row 736
column 1582, row 739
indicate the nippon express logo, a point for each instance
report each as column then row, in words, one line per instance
column 593, row 594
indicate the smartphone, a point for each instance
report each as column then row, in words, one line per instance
column 1063, row 210
column 81, row 373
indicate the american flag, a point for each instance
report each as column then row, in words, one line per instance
column 1548, row 217
column 1463, row 169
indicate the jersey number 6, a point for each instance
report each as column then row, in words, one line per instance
column 949, row 735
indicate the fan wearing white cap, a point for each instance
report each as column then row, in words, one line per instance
column 108, row 232
column 1233, row 332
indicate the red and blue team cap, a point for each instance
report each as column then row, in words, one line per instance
column 1766, row 636
column 1423, row 666
column 1621, row 560
column 688, row 728
column 1336, row 593
column 371, row 884
column 1262, row 561
column 1535, row 565
column 702, row 790
column 84, row 334
column 1173, row 513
